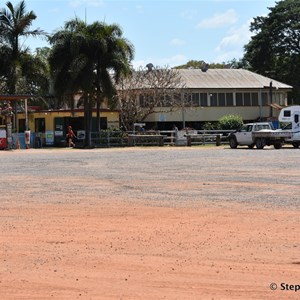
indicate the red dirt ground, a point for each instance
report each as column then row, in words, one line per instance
column 78, row 245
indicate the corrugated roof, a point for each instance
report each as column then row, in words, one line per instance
column 227, row 79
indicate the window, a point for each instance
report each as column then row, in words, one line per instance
column 22, row 126
column 239, row 99
column 203, row 99
column 244, row 128
column 177, row 98
column 142, row 101
column 167, row 101
column 214, row 99
column 254, row 98
column 39, row 124
column 264, row 99
column 286, row 113
column 249, row 128
column 247, row 99
column 222, row 100
column 195, row 99
column 229, row 99
column 145, row 100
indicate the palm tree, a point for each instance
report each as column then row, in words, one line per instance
column 90, row 59
column 15, row 23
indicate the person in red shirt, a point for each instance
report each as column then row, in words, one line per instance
column 70, row 136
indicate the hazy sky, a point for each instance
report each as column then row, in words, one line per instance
column 165, row 33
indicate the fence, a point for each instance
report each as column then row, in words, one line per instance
column 107, row 138
column 157, row 138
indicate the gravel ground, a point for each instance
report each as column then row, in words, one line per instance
column 162, row 176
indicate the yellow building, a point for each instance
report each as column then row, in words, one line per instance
column 50, row 126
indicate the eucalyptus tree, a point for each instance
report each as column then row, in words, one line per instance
column 157, row 90
column 89, row 59
column 274, row 49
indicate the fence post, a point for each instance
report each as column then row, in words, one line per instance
column 218, row 140
column 130, row 141
column 189, row 140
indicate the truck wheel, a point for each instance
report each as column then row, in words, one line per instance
column 260, row 143
column 277, row 145
column 233, row 143
column 251, row 146
column 295, row 145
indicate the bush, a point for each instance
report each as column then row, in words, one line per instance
column 230, row 122
column 210, row 126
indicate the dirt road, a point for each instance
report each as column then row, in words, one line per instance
column 150, row 223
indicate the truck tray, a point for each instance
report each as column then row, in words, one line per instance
column 271, row 134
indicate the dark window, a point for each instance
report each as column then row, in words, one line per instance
column 39, row 124
column 214, row 99
column 247, row 99
column 239, row 99
column 22, row 125
column 195, row 99
column 286, row 113
column 254, row 97
column 103, row 123
column 249, row 128
column 222, row 99
column 146, row 100
column 167, row 101
column 229, row 99
column 264, row 99
column 203, row 99
column 142, row 101
column 177, row 98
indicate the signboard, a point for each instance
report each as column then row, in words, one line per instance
column 49, row 137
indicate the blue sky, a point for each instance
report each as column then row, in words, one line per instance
column 165, row 33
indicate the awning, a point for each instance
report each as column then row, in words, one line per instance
column 276, row 106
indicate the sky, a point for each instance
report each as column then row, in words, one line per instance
column 164, row 33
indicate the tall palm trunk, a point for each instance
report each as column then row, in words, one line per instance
column 98, row 110
column 87, row 120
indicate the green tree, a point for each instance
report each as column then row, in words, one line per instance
column 16, row 63
column 274, row 50
column 15, row 23
column 89, row 59
column 200, row 64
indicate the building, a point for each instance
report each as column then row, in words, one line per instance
column 218, row 92
column 49, row 127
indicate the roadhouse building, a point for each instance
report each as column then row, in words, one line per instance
column 218, row 92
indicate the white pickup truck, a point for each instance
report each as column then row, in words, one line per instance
column 257, row 134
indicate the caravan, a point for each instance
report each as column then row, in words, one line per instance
column 291, row 115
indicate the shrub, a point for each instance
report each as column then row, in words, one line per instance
column 210, row 126
column 230, row 122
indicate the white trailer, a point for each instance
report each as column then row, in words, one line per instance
column 291, row 115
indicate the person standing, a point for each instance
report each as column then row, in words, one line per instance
column 70, row 136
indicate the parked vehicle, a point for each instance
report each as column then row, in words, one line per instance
column 258, row 134
column 291, row 115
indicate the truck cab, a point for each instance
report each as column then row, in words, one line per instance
column 243, row 136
